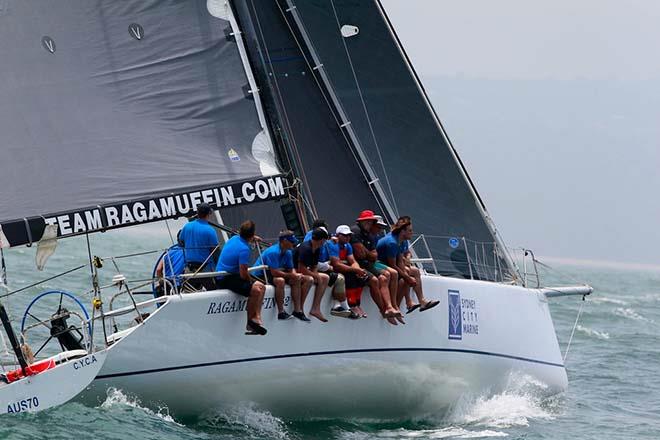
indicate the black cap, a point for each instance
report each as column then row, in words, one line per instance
column 320, row 234
column 203, row 209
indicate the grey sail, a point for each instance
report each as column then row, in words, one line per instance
column 317, row 150
column 406, row 147
column 107, row 102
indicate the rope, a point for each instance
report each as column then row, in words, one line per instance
column 288, row 126
column 43, row 281
column 364, row 107
column 568, row 346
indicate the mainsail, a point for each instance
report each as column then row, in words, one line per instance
column 117, row 113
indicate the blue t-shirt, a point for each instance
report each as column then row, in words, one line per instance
column 274, row 258
column 335, row 248
column 199, row 239
column 173, row 263
column 234, row 253
column 389, row 247
column 324, row 255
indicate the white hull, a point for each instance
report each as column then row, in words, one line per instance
column 51, row 387
column 192, row 354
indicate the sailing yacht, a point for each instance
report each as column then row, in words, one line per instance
column 115, row 114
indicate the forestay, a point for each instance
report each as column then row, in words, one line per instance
column 116, row 113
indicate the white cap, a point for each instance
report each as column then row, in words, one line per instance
column 380, row 221
column 343, row 229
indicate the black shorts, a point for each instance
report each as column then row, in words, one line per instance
column 353, row 281
column 235, row 283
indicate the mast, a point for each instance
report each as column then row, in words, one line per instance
column 12, row 338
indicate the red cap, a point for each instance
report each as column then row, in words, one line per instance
column 367, row 215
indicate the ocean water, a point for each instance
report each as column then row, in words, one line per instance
column 613, row 367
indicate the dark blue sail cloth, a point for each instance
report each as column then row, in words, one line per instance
column 399, row 133
column 315, row 147
column 106, row 101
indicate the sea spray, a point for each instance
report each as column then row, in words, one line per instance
column 245, row 420
column 116, row 398
column 522, row 400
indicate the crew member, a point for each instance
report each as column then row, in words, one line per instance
column 234, row 260
column 393, row 250
column 364, row 248
column 199, row 242
column 343, row 261
column 171, row 264
column 306, row 259
column 279, row 259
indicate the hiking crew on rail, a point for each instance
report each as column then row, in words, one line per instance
column 355, row 257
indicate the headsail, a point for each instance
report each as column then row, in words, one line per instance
column 397, row 130
column 318, row 150
column 116, row 113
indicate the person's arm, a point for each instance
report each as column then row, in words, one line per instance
column 159, row 268
column 341, row 267
column 214, row 249
column 402, row 268
column 355, row 266
column 305, row 270
column 243, row 260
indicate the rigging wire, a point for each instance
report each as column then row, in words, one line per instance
column 568, row 346
column 330, row 107
column 43, row 281
column 294, row 145
column 364, row 107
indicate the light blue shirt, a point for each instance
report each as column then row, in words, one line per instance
column 199, row 239
column 234, row 253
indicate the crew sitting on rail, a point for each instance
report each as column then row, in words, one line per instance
column 170, row 265
column 364, row 249
column 279, row 259
column 393, row 250
column 337, row 281
column 234, row 260
column 199, row 241
column 305, row 260
column 342, row 260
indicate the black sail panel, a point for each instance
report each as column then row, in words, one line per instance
column 318, row 152
column 105, row 101
column 399, row 132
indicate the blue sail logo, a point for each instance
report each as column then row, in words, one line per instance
column 455, row 324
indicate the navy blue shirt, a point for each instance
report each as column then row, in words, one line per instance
column 274, row 258
column 199, row 239
column 324, row 253
column 234, row 253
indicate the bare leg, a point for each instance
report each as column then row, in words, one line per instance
column 414, row 272
column 374, row 290
column 296, row 284
column 279, row 293
column 321, row 284
column 306, row 284
column 339, row 289
column 255, row 301
column 394, row 287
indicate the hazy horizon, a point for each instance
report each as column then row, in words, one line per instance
column 554, row 109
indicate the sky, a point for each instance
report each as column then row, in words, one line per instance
column 554, row 106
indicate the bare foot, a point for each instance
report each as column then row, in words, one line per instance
column 319, row 316
column 361, row 312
